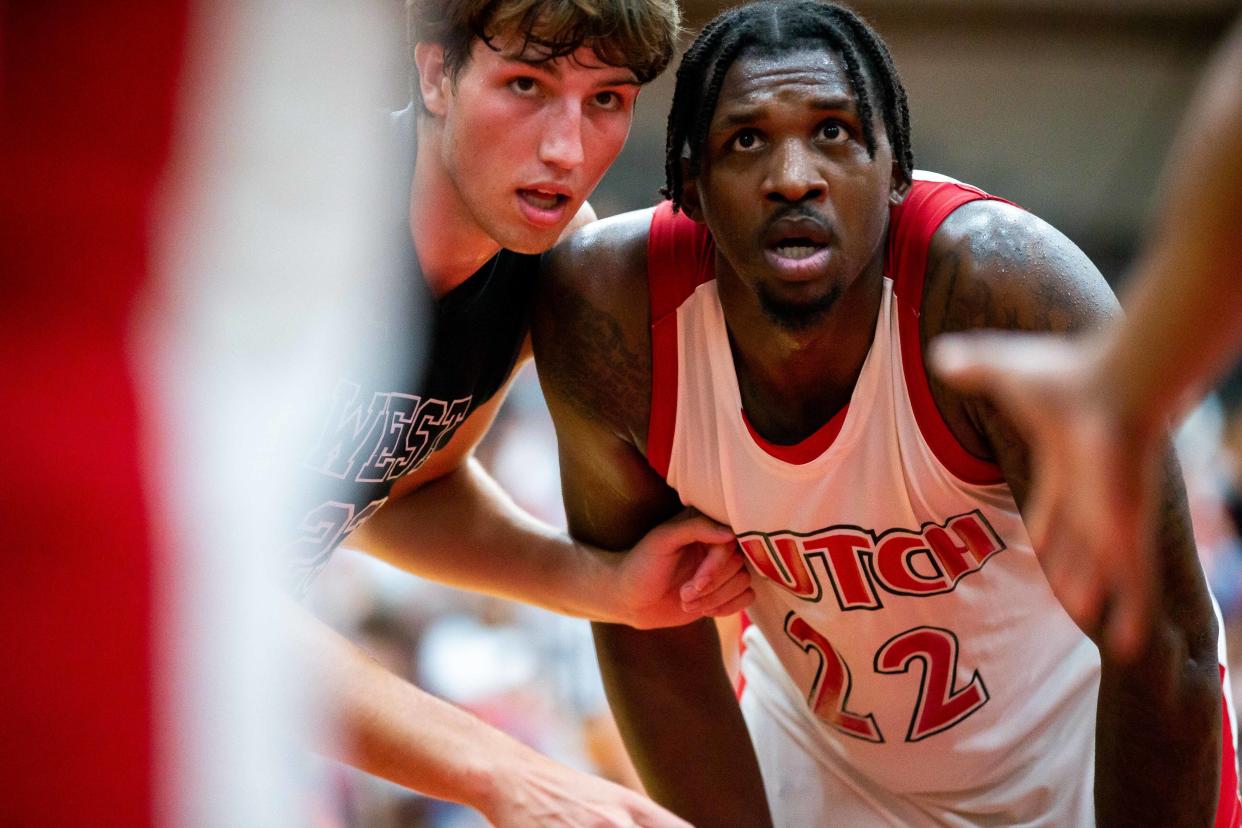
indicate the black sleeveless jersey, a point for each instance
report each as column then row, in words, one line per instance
column 389, row 415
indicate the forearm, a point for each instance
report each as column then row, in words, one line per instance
column 465, row 531
column 681, row 723
column 1158, row 731
column 389, row 728
column 1185, row 306
column 1158, row 742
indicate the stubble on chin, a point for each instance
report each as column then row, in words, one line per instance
column 796, row 316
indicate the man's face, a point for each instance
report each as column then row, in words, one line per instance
column 525, row 143
column 796, row 205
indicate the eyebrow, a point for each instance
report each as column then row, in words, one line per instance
column 750, row 114
column 553, row 68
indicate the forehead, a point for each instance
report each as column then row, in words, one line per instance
column 508, row 50
column 809, row 76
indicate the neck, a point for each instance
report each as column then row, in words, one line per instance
column 450, row 244
column 792, row 382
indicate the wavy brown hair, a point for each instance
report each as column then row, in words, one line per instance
column 637, row 34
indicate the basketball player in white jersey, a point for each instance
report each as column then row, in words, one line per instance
column 755, row 349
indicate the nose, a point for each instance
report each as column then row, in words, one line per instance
column 560, row 145
column 795, row 175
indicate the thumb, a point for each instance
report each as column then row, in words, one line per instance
column 696, row 529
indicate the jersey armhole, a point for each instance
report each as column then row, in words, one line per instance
column 679, row 259
column 912, row 225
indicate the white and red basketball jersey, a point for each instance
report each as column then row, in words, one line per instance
column 907, row 663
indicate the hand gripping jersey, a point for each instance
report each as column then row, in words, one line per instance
column 907, row 663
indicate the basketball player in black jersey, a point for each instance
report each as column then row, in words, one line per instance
column 523, row 106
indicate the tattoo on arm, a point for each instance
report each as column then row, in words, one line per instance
column 594, row 365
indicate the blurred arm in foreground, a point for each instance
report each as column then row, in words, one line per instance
column 1096, row 409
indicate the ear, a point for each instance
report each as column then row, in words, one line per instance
column 433, row 82
column 691, row 205
column 899, row 188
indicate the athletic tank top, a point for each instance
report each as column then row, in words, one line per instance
column 389, row 414
column 901, row 621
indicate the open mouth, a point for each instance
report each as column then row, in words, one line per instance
column 799, row 257
column 797, row 248
column 543, row 199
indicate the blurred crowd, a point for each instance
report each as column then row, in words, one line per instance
column 532, row 673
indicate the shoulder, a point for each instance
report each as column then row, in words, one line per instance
column 591, row 336
column 599, row 243
column 991, row 265
column 584, row 216
column 994, row 265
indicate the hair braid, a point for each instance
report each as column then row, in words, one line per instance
column 770, row 27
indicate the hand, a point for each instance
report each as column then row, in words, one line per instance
column 682, row 570
column 1090, row 511
column 549, row 795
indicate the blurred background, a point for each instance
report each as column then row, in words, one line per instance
column 182, row 182
column 1066, row 107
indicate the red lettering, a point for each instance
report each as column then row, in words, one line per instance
column 894, row 566
column 846, row 568
column 939, row 706
column 958, row 559
column 830, row 691
column 780, row 560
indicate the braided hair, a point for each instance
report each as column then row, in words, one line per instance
column 771, row 27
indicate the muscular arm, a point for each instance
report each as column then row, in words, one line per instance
column 450, row 522
column 1158, row 716
column 668, row 688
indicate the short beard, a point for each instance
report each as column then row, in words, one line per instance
column 796, row 316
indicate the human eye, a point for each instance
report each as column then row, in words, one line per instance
column 746, row 140
column 608, row 101
column 832, row 132
column 524, row 86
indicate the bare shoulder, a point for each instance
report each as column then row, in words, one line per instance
column 991, row 265
column 591, row 336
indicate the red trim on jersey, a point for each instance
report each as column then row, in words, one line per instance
column 911, row 226
column 808, row 449
column 1229, row 807
column 741, row 651
column 663, row 420
column 679, row 259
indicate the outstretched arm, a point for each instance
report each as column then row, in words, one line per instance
column 1095, row 409
column 451, row 523
column 668, row 688
column 394, row 730
column 1158, row 728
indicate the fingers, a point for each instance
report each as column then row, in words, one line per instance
column 971, row 362
column 1127, row 628
column 722, row 562
column 716, row 602
column 674, row 534
column 651, row 815
column 1128, row 624
column 733, row 606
